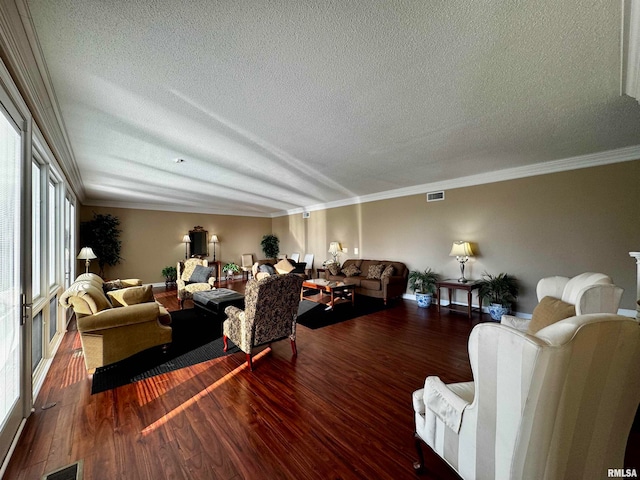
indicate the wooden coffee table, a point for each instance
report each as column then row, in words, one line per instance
column 337, row 290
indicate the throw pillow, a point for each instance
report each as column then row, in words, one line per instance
column 334, row 268
column 201, row 274
column 375, row 272
column 389, row 271
column 351, row 271
column 131, row 296
column 267, row 268
column 283, row 266
column 112, row 285
column 549, row 311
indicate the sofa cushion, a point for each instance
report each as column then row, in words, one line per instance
column 131, row 296
column 370, row 284
column 351, row 270
column 388, row 271
column 550, row 310
column 284, row 266
column 201, row 274
column 375, row 271
column 357, row 281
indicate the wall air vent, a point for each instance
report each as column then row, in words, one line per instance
column 306, row 214
column 435, row 196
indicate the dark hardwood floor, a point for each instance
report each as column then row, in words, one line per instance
column 340, row 410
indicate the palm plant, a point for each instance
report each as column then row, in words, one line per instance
column 423, row 282
column 501, row 289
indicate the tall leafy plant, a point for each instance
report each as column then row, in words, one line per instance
column 102, row 234
column 270, row 245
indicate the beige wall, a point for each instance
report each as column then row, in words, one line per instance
column 151, row 239
column 556, row 224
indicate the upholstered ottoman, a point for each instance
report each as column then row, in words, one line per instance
column 215, row 301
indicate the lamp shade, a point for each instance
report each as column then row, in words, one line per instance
column 186, row 239
column 86, row 253
column 334, row 247
column 461, row 249
column 214, row 239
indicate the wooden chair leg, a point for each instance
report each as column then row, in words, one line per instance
column 293, row 348
column 225, row 342
column 419, row 465
column 249, row 362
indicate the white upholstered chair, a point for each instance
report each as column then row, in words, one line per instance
column 295, row 257
column 555, row 405
column 588, row 292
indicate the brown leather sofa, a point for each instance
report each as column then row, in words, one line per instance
column 116, row 324
column 387, row 287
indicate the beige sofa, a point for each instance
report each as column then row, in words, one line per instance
column 116, row 324
column 391, row 286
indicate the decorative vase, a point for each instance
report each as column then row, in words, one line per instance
column 424, row 299
column 496, row 311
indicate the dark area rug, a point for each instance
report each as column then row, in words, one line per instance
column 196, row 338
column 314, row 315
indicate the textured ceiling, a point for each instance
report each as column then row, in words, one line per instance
column 280, row 105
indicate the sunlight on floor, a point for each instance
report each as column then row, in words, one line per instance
column 165, row 418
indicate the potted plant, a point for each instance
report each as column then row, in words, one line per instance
column 424, row 286
column 501, row 290
column 270, row 246
column 230, row 269
column 170, row 275
column 103, row 235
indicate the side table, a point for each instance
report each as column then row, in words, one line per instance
column 452, row 285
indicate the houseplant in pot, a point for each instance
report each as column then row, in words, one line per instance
column 424, row 286
column 270, row 246
column 230, row 269
column 170, row 275
column 501, row 291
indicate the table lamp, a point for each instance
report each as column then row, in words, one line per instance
column 86, row 253
column 462, row 251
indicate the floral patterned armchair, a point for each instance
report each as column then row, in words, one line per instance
column 192, row 279
column 271, row 310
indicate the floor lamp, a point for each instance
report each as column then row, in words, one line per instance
column 86, row 254
column 214, row 240
column 186, row 240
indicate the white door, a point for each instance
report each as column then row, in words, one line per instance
column 11, row 331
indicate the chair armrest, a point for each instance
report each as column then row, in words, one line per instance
column 444, row 403
column 118, row 317
column 212, row 280
column 234, row 313
column 521, row 324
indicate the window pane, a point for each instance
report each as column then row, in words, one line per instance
column 36, row 341
column 10, row 271
column 35, row 230
column 53, row 317
column 52, row 233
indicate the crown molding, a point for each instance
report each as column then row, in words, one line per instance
column 573, row 163
column 23, row 55
column 174, row 208
column 630, row 49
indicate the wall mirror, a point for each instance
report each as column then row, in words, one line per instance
column 199, row 242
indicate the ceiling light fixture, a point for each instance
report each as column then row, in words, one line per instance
column 179, row 160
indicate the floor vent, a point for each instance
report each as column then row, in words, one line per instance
column 435, row 196
column 70, row 472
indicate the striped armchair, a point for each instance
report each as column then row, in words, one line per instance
column 554, row 405
column 270, row 314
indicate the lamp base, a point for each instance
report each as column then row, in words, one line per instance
column 462, row 280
